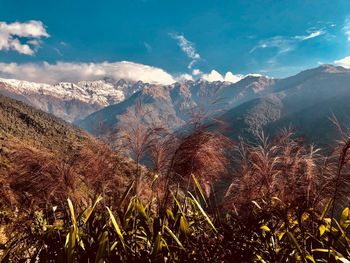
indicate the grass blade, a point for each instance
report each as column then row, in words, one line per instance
column 203, row 212
column 116, row 227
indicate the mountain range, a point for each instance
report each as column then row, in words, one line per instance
column 305, row 101
column 70, row 101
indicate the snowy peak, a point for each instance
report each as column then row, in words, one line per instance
column 92, row 92
column 70, row 101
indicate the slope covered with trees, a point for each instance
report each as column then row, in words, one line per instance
column 43, row 159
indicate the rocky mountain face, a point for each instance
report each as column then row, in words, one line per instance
column 70, row 101
column 305, row 102
column 172, row 106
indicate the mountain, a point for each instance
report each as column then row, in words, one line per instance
column 305, row 101
column 70, row 101
column 24, row 127
column 314, row 123
column 254, row 103
column 22, row 124
column 44, row 159
column 171, row 106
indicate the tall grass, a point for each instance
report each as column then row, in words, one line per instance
column 283, row 200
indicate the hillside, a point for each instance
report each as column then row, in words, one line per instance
column 43, row 160
column 23, row 127
column 305, row 101
column 20, row 122
column 315, row 123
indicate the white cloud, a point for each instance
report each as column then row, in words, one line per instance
column 188, row 48
column 74, row 72
column 232, row 78
column 213, row 76
column 216, row 76
column 344, row 62
column 184, row 77
column 196, row 72
column 286, row 44
column 346, row 28
column 312, row 35
column 282, row 44
column 32, row 31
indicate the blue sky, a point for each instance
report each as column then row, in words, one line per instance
column 277, row 38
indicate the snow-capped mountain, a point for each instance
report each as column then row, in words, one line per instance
column 306, row 101
column 75, row 101
column 70, row 101
column 171, row 105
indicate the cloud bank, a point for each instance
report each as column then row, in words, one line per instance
column 216, row 76
column 345, row 62
column 74, row 72
column 45, row 72
column 187, row 47
column 11, row 33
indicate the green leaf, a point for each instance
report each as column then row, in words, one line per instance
column 71, row 244
column 295, row 242
column 305, row 216
column 71, row 209
column 203, row 213
column 170, row 214
column 129, row 211
column 101, row 251
column 174, row 237
column 281, row 235
column 265, row 228
column 326, row 208
column 114, row 245
column 89, row 211
column 343, row 218
column 116, row 227
column 199, row 189
column 184, row 226
column 126, row 193
column 142, row 211
column 71, row 239
column 178, row 205
column 322, row 229
column 323, row 250
column 311, row 258
column 157, row 247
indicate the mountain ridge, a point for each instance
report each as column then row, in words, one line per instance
column 70, row 101
column 253, row 103
column 171, row 106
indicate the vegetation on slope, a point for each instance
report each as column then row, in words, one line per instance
column 23, row 123
column 42, row 159
column 285, row 201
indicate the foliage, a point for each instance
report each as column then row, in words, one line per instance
column 283, row 201
column 134, row 233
